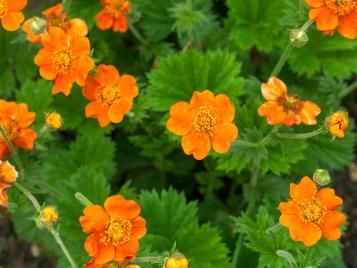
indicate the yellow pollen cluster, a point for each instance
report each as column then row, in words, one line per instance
column 341, row 7
column 3, row 8
column 312, row 211
column 205, row 119
column 117, row 233
column 108, row 94
column 62, row 59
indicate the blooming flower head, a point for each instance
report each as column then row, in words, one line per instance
column 54, row 120
column 176, row 261
column 10, row 14
column 15, row 120
column 337, row 123
column 207, row 120
column 111, row 95
column 311, row 213
column 8, row 174
column 335, row 14
column 54, row 16
column 114, row 15
column 114, row 231
column 281, row 108
column 65, row 59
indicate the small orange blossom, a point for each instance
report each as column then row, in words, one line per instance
column 114, row 15
column 337, row 123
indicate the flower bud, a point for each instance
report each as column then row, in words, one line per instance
column 54, row 120
column 298, row 38
column 177, row 260
column 48, row 216
column 322, row 177
column 337, row 123
column 38, row 25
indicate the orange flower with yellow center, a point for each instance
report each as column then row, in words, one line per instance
column 54, row 16
column 311, row 213
column 111, row 95
column 114, row 15
column 15, row 120
column 65, row 59
column 8, row 174
column 337, row 124
column 332, row 14
column 281, row 108
column 206, row 120
column 10, row 14
column 114, row 230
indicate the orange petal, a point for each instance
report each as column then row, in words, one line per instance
column 180, row 118
column 305, row 190
column 3, row 194
column 274, row 112
column 127, row 251
column 105, row 254
column 12, row 20
column 329, row 199
column 315, row 3
column 90, row 88
column 202, row 98
column 198, row 145
column 25, row 138
column 118, row 110
column 347, row 25
column 274, row 89
column 47, row 72
column 223, row 137
column 54, row 10
column 81, row 45
column 225, row 108
column 107, row 74
column 308, row 233
column 43, row 57
column 118, row 207
column 331, row 223
column 91, row 245
column 139, row 227
column 82, row 68
column 95, row 219
column 54, row 38
column 78, row 27
column 105, row 20
column 289, row 211
column 127, row 86
column 325, row 19
column 8, row 172
column 120, row 24
column 309, row 112
column 16, row 5
column 63, row 83
column 292, row 118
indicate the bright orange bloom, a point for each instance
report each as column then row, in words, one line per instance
column 114, row 230
column 311, row 214
column 114, row 15
column 10, row 14
column 8, row 174
column 335, row 14
column 65, row 59
column 281, row 108
column 15, row 119
column 55, row 16
column 206, row 120
column 111, row 95
column 337, row 123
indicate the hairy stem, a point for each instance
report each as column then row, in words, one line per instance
column 148, row 259
column 138, row 35
column 348, row 90
column 83, row 200
column 300, row 135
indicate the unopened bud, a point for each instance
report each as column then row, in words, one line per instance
column 54, row 120
column 177, row 260
column 38, row 25
column 298, row 38
column 48, row 216
column 322, row 177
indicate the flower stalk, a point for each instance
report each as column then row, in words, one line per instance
column 348, row 90
column 300, row 135
column 138, row 35
column 83, row 200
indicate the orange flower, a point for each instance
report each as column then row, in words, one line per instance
column 281, row 108
column 111, row 95
column 65, row 59
column 10, row 14
column 8, row 174
column 114, row 230
column 55, row 16
column 15, row 120
column 332, row 14
column 337, row 123
column 113, row 15
column 206, row 120
column 311, row 214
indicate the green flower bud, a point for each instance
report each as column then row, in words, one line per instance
column 298, row 38
column 322, row 177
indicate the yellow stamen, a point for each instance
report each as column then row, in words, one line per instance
column 118, row 232
column 108, row 94
column 341, row 7
column 205, row 119
column 62, row 59
column 312, row 211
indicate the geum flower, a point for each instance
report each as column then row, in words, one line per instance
column 114, row 15
column 65, row 59
column 335, row 14
column 114, row 231
column 111, row 95
column 281, row 108
column 206, row 120
column 10, row 14
column 337, row 124
column 8, row 174
column 311, row 214
column 54, row 16
column 15, row 120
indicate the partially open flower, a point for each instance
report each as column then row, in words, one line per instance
column 114, row 15
column 48, row 216
column 8, row 174
column 54, row 120
column 177, row 260
column 337, row 123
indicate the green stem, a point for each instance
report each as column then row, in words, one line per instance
column 148, row 259
column 83, row 200
column 64, row 249
column 29, row 196
column 238, row 247
column 348, row 90
column 274, row 228
column 287, row 256
column 300, row 135
column 138, row 35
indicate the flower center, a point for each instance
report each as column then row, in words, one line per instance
column 62, row 59
column 312, row 211
column 117, row 233
column 205, row 119
column 108, row 94
column 120, row 8
column 341, row 7
column 3, row 8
